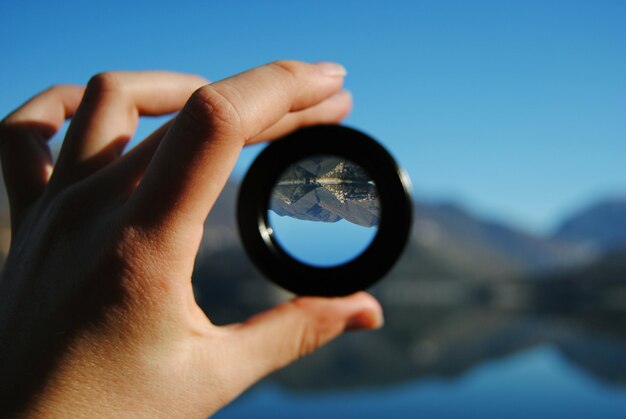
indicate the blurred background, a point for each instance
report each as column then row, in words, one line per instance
column 510, row 118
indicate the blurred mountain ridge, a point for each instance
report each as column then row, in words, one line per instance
column 601, row 224
column 457, row 243
column 489, row 249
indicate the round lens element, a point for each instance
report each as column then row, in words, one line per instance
column 324, row 210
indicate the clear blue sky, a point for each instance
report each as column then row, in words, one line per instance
column 515, row 109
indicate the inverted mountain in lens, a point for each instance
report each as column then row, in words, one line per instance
column 327, row 189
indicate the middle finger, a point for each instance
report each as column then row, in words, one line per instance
column 108, row 116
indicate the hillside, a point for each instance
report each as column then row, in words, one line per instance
column 489, row 250
column 602, row 225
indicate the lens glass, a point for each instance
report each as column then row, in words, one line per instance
column 324, row 210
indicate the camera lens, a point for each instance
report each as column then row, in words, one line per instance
column 325, row 210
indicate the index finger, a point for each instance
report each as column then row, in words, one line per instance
column 195, row 159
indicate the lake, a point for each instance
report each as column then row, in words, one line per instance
column 535, row 383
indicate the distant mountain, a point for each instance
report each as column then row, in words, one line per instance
column 602, row 225
column 475, row 247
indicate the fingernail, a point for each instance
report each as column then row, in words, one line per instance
column 332, row 69
column 368, row 319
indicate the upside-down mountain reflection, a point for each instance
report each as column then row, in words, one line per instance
column 327, row 189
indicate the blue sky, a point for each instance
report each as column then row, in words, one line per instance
column 515, row 109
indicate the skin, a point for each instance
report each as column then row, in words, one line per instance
column 97, row 314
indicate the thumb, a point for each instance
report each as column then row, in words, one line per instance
column 279, row 336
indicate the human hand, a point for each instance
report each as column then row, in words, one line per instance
column 97, row 314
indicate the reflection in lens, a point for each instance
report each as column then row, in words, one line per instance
column 324, row 210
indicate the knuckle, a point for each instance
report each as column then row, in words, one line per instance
column 289, row 70
column 54, row 88
column 211, row 110
column 104, row 83
column 289, row 67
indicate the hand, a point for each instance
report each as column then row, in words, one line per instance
column 97, row 314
